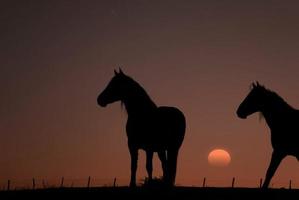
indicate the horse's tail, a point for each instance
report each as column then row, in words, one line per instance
column 175, row 122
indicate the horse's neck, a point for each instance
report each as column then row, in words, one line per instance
column 139, row 106
column 276, row 114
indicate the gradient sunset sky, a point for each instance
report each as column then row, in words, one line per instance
column 200, row 56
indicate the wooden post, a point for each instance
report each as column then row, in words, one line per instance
column 290, row 184
column 62, row 180
column 114, row 182
column 44, row 185
column 33, row 183
column 261, row 183
column 88, row 183
column 8, row 185
column 233, row 182
column 204, row 182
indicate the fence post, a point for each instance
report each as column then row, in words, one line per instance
column 33, row 183
column 261, row 182
column 44, row 185
column 290, row 184
column 114, row 182
column 204, row 182
column 8, row 185
column 233, row 182
column 88, row 183
column 62, row 180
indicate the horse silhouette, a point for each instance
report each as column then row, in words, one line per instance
column 282, row 120
column 149, row 127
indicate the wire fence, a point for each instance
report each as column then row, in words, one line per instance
column 251, row 183
column 40, row 183
column 89, row 182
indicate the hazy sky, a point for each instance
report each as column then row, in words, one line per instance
column 201, row 56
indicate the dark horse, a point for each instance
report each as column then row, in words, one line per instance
column 149, row 127
column 282, row 120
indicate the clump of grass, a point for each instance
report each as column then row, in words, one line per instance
column 156, row 182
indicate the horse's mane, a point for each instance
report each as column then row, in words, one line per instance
column 137, row 91
column 274, row 98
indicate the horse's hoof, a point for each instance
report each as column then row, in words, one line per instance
column 264, row 187
column 132, row 185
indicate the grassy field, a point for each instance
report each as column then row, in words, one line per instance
column 153, row 193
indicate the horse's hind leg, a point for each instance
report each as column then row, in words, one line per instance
column 275, row 161
column 162, row 157
column 172, row 156
column 134, row 159
column 149, row 164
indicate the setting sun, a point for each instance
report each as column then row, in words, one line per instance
column 219, row 158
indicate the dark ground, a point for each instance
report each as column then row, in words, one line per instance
column 152, row 193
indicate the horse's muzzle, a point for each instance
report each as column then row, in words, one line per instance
column 241, row 115
column 101, row 103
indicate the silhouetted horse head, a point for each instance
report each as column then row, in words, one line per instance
column 254, row 101
column 114, row 90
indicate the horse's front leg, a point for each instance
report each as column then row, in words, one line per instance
column 275, row 161
column 134, row 160
column 149, row 164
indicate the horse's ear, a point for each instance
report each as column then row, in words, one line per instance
column 258, row 84
column 121, row 72
column 253, row 85
column 115, row 72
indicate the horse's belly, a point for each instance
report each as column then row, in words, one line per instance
column 287, row 142
column 153, row 140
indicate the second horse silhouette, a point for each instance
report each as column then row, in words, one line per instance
column 282, row 120
column 149, row 127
